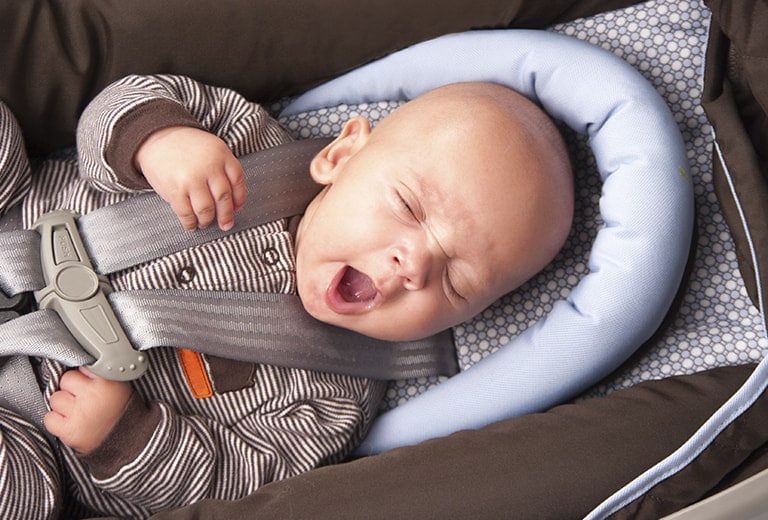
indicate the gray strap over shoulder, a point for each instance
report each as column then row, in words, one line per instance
column 144, row 227
column 77, row 328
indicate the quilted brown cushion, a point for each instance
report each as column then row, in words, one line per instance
column 57, row 54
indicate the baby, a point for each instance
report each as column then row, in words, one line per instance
column 453, row 200
column 457, row 198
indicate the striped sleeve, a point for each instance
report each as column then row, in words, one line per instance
column 29, row 476
column 14, row 164
column 310, row 419
column 124, row 114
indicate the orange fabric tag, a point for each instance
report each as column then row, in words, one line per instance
column 195, row 372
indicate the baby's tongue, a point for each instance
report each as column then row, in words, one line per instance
column 356, row 286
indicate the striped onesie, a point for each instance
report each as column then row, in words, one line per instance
column 261, row 423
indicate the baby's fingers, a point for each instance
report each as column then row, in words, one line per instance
column 183, row 209
column 204, row 208
column 237, row 180
column 56, row 421
column 222, row 194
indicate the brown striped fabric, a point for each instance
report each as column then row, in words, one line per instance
column 173, row 448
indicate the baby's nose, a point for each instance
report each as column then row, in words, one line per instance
column 413, row 267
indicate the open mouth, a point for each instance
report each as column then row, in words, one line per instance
column 351, row 291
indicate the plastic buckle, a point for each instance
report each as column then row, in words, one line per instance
column 78, row 295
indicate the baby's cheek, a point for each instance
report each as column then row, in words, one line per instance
column 421, row 317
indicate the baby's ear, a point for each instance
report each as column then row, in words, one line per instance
column 325, row 165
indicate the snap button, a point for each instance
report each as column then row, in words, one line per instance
column 186, row 274
column 271, row 256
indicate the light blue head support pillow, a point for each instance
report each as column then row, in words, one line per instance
column 638, row 257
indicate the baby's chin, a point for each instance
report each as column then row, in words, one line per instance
column 372, row 324
column 368, row 324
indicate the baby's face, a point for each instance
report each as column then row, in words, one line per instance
column 408, row 239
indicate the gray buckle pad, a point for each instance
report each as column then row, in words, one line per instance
column 79, row 296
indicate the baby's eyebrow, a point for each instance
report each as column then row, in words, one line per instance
column 431, row 198
column 449, row 259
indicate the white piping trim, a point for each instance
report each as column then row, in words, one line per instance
column 745, row 225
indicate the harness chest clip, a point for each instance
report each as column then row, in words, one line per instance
column 79, row 296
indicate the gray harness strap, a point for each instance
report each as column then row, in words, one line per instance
column 143, row 228
column 19, row 390
column 264, row 328
column 20, row 261
column 276, row 329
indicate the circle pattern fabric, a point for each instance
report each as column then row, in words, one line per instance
column 716, row 324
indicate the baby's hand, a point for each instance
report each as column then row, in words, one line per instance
column 85, row 409
column 196, row 173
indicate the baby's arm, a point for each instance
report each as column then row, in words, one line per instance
column 197, row 457
column 30, row 484
column 129, row 113
column 85, row 409
column 15, row 176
